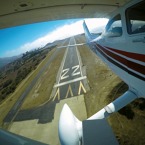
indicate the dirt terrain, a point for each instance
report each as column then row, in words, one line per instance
column 129, row 123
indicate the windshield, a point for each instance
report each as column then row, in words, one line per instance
column 136, row 18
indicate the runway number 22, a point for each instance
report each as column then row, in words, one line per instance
column 74, row 72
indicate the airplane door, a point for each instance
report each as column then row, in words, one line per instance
column 135, row 42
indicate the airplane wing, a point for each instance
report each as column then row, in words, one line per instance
column 14, row 13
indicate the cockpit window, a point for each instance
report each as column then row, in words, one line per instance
column 135, row 17
column 114, row 27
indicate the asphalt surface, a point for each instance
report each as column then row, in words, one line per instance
column 71, row 68
column 70, row 82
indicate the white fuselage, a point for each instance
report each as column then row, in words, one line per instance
column 122, row 45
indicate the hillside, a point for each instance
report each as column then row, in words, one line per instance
column 14, row 72
column 4, row 61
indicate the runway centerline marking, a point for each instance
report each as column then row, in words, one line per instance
column 78, row 58
column 63, row 72
column 70, row 81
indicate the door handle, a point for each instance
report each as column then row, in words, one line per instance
column 139, row 40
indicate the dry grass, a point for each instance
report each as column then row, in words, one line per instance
column 41, row 92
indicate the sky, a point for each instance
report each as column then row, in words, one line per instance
column 18, row 40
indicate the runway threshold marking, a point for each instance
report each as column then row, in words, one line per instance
column 70, row 81
column 69, row 90
column 57, row 94
column 81, row 87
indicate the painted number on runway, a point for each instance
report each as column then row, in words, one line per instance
column 75, row 68
column 65, row 72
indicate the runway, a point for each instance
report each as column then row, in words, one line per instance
column 71, row 81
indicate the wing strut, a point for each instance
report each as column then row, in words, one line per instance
column 71, row 129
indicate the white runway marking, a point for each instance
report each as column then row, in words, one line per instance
column 81, row 87
column 70, row 81
column 64, row 74
column 69, row 91
column 72, row 45
column 75, row 68
column 57, row 94
column 78, row 59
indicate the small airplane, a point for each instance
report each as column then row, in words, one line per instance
column 122, row 47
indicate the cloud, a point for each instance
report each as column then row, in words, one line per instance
column 58, row 34
column 96, row 25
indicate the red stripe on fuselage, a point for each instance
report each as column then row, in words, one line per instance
column 140, row 57
column 134, row 66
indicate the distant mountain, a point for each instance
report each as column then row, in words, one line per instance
column 6, row 60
